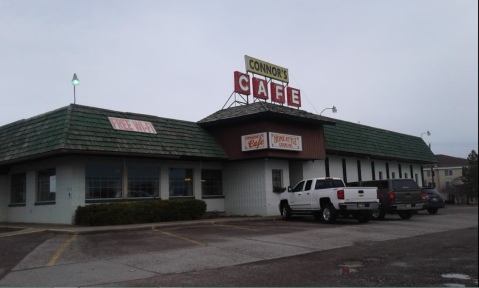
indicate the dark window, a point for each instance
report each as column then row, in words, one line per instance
column 373, row 171
column 380, row 175
column 143, row 182
column 345, row 174
column 47, row 185
column 323, row 184
column 405, row 175
column 394, row 175
column 448, row 172
column 400, row 170
column 181, row 182
column 416, row 177
column 308, row 185
column 299, row 187
column 18, row 188
column 359, row 171
column 387, row 170
column 326, row 164
column 212, row 182
column 412, row 171
column 103, row 182
column 406, row 184
column 277, row 180
column 379, row 184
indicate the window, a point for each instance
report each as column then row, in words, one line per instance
column 400, row 170
column 416, row 177
column 448, row 172
column 387, row 170
column 308, row 185
column 345, row 174
column 411, row 170
column 181, row 182
column 212, row 182
column 380, row 175
column 323, row 184
column 373, row 171
column 277, row 180
column 405, row 175
column 299, row 187
column 47, row 185
column 449, row 183
column 326, row 164
column 394, row 175
column 428, row 173
column 103, row 182
column 143, row 182
column 18, row 188
column 359, row 171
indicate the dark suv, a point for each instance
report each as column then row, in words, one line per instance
column 432, row 199
column 401, row 196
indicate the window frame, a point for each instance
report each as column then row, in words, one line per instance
column 187, row 183
column 100, row 181
column 216, row 181
column 129, row 179
column 14, row 186
column 40, row 185
column 277, row 185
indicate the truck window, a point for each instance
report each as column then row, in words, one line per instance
column 324, row 184
column 308, row 185
column 406, row 184
column 378, row 184
column 299, row 187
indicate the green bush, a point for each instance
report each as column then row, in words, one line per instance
column 118, row 213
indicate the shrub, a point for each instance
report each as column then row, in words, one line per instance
column 118, row 213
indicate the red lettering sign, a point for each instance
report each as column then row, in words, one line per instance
column 277, row 93
column 294, row 97
column 260, row 88
column 242, row 85
column 132, row 125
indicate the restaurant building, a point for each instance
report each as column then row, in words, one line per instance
column 237, row 160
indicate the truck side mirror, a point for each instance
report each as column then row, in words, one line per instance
column 289, row 189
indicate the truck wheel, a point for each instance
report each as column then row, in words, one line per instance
column 364, row 217
column 406, row 214
column 286, row 212
column 328, row 214
column 378, row 214
column 432, row 210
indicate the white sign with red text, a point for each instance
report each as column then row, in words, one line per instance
column 132, row 125
column 285, row 142
column 254, row 141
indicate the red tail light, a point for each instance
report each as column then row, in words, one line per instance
column 391, row 197
column 377, row 194
column 340, row 194
column 424, row 196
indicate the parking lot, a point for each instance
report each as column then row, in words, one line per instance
column 103, row 259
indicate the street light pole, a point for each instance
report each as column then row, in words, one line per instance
column 75, row 82
column 333, row 108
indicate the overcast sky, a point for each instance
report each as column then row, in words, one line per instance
column 404, row 66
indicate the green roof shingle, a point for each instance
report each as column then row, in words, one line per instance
column 83, row 128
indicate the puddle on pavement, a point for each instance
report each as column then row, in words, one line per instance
column 400, row 264
column 349, row 267
column 457, row 276
column 454, row 285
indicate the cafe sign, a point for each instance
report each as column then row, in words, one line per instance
column 285, row 142
column 254, row 142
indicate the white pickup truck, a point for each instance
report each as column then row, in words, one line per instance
column 328, row 198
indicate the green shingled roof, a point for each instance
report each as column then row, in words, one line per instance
column 82, row 128
column 351, row 138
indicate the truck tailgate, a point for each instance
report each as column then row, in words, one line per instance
column 413, row 196
column 360, row 194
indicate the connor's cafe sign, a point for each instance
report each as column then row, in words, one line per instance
column 278, row 93
column 275, row 140
column 132, row 125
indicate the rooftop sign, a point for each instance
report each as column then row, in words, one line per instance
column 132, row 125
column 266, row 69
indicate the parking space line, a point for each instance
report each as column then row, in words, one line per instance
column 181, row 237
column 21, row 232
column 235, row 227
column 60, row 251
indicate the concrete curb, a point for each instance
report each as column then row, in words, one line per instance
column 81, row 230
